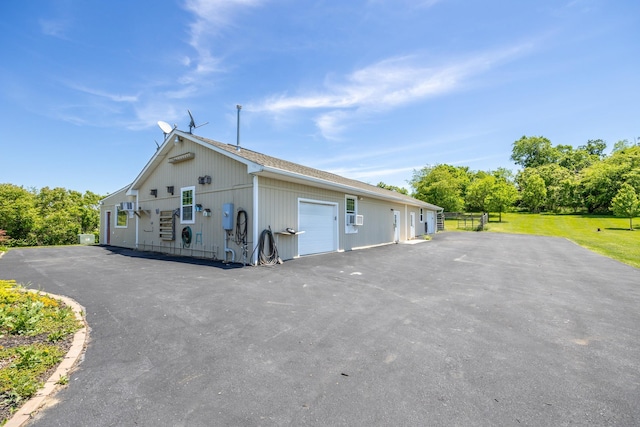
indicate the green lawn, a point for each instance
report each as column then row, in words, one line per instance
column 614, row 239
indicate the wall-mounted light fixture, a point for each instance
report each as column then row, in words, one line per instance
column 198, row 207
column 170, row 189
column 204, row 179
column 154, row 192
column 177, row 139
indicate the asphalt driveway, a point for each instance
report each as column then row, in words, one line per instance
column 467, row 329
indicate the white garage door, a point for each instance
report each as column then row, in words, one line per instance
column 319, row 221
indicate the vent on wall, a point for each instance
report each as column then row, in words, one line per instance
column 204, row 179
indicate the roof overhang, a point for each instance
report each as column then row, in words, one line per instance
column 275, row 173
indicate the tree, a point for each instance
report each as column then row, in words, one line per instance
column 532, row 151
column 442, row 185
column 478, row 192
column 626, row 204
column 503, row 195
column 533, row 191
column 553, row 176
column 18, row 214
column 600, row 182
column 47, row 217
column 621, row 145
column 594, row 147
column 400, row 190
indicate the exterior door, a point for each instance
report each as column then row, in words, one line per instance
column 412, row 225
column 431, row 222
column 319, row 222
column 396, row 226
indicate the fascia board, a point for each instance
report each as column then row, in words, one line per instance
column 342, row 187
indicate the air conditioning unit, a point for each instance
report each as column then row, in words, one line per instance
column 353, row 219
column 126, row 206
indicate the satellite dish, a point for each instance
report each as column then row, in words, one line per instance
column 165, row 127
column 192, row 123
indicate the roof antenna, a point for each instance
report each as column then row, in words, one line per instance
column 157, row 145
column 239, row 107
column 192, row 123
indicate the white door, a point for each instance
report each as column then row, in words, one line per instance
column 431, row 222
column 412, row 225
column 396, row 226
column 319, row 221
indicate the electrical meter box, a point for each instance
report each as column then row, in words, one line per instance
column 227, row 216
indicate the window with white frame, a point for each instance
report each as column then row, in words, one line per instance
column 351, row 210
column 122, row 218
column 188, row 205
column 421, row 215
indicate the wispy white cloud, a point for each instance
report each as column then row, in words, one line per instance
column 382, row 86
column 366, row 173
column 210, row 18
column 115, row 97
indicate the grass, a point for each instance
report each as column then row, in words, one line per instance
column 614, row 239
column 34, row 337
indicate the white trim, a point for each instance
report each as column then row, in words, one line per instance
column 350, row 229
column 115, row 222
column 255, row 220
column 193, row 205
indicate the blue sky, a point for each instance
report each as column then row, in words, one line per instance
column 371, row 90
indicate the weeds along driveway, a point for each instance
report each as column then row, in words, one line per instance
column 467, row 329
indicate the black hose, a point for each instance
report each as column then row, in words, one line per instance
column 241, row 228
column 270, row 256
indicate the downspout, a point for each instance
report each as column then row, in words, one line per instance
column 254, row 257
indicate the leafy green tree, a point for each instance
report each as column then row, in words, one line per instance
column 533, row 191
column 400, row 190
column 553, row 176
column 443, row 185
column 575, row 160
column 600, row 182
column 47, row 217
column 626, row 203
column 532, row 151
column 478, row 192
column 621, row 145
column 18, row 214
column 503, row 196
column 571, row 197
column 595, row 148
